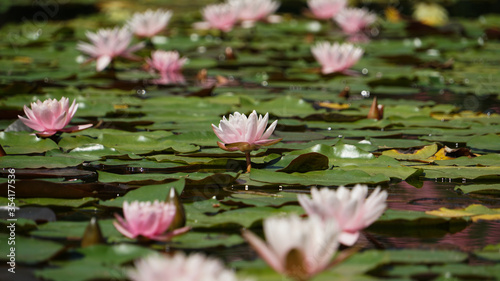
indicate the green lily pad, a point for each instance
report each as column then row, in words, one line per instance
column 49, row 201
column 434, row 172
column 487, row 142
column 491, row 252
column 146, row 193
column 235, row 219
column 333, row 177
column 98, row 262
column 302, row 163
column 25, row 143
column 483, row 160
column 73, row 230
column 136, row 143
column 198, row 240
column 28, row 250
column 33, row 162
column 259, row 200
column 479, row 188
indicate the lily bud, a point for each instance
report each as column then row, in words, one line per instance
column 376, row 110
column 230, row 55
column 180, row 214
column 93, row 234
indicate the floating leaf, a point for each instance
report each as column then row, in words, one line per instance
column 24, row 143
column 29, row 250
column 302, row 163
column 419, row 154
column 73, row 230
column 199, row 240
column 333, row 177
column 491, row 252
column 98, row 262
column 487, row 142
column 146, row 193
column 261, row 200
column 341, row 150
column 447, row 172
column 479, row 188
column 475, row 211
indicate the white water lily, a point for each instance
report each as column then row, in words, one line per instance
column 326, row 9
column 179, row 267
column 296, row 247
column 149, row 23
column 351, row 209
column 353, row 20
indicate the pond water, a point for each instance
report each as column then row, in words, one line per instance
column 434, row 149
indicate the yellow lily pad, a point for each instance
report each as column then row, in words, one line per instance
column 419, row 154
column 475, row 211
column 334, row 105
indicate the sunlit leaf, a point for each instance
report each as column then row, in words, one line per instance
column 475, row 211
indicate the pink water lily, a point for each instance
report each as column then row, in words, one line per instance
column 349, row 208
column 326, row 9
column 168, row 64
column 254, row 10
column 51, row 116
column 353, row 20
column 336, row 57
column 296, row 247
column 149, row 220
column 219, row 16
column 243, row 133
column 149, row 23
column 179, row 267
column 107, row 44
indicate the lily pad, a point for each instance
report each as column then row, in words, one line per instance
column 333, row 177
column 25, row 143
column 475, row 212
column 29, row 250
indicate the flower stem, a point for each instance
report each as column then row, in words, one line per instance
column 249, row 164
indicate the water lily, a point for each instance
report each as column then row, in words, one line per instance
column 51, row 116
column 326, row 9
column 179, row 267
column 149, row 220
column 149, row 23
column 336, row 57
column 353, row 20
column 219, row 16
column 296, row 247
column 349, row 208
column 243, row 133
column 168, row 64
column 254, row 10
column 107, row 44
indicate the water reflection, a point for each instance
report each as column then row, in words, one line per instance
column 457, row 234
column 431, row 196
column 473, row 237
column 170, row 78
